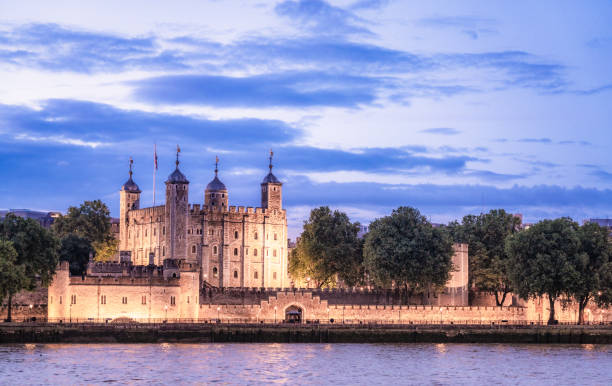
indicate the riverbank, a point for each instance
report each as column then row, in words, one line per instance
column 283, row 333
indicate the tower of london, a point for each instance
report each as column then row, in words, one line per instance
column 234, row 246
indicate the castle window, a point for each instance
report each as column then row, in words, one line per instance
column 164, row 251
column 129, row 235
column 154, row 231
column 235, row 234
column 51, row 300
column 163, row 230
column 275, row 237
column 60, row 300
column 193, row 249
column 255, row 236
column 210, row 232
column 215, row 250
column 246, row 251
column 267, row 252
column 145, row 233
column 188, row 231
column 235, row 274
column 215, row 272
column 235, row 251
column 172, row 300
column 254, row 251
column 274, row 188
column 103, row 299
column 73, row 299
column 187, row 299
column 255, row 275
column 274, row 252
column 223, row 196
column 274, row 275
column 143, row 300
column 124, row 300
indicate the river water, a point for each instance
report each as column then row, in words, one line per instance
column 384, row 364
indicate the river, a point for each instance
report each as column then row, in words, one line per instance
column 383, row 364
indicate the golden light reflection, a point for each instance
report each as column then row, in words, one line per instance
column 588, row 347
column 441, row 348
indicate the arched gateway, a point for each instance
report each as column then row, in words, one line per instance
column 293, row 314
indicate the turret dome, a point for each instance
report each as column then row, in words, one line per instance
column 130, row 185
column 216, row 185
column 177, row 177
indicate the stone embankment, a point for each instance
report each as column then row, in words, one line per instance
column 286, row 333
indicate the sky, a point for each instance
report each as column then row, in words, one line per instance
column 452, row 107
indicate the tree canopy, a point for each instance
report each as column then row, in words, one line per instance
column 405, row 249
column 328, row 248
column 36, row 251
column 90, row 221
column 76, row 251
column 594, row 268
column 542, row 260
column 12, row 275
column 485, row 235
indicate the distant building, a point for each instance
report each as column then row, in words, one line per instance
column 45, row 219
column 363, row 230
column 602, row 222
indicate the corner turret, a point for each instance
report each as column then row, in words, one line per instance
column 271, row 190
column 177, row 211
column 216, row 195
column 129, row 199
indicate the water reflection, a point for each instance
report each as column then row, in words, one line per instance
column 306, row 364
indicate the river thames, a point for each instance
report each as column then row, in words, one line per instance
column 306, row 364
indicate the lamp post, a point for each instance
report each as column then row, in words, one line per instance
column 440, row 315
column 70, row 310
column 308, row 282
column 166, row 309
column 328, row 314
column 218, row 319
column 274, row 314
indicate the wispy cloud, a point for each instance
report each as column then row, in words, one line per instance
column 323, row 18
column 472, row 26
column 442, row 131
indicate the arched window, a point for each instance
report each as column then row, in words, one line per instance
column 254, row 251
column 255, row 275
column 274, row 275
column 215, row 250
column 235, row 251
column 275, row 237
column 255, row 236
column 274, row 252
column 163, row 251
column 215, row 272
column 235, row 274
column 236, row 234
column 193, row 249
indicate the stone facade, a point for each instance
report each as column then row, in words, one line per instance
column 234, row 246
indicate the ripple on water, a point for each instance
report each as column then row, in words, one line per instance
column 306, row 364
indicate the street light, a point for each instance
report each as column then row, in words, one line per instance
column 274, row 314
column 440, row 315
column 308, row 282
column 218, row 319
column 328, row 314
column 166, row 309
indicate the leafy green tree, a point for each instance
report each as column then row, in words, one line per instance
column 36, row 247
column 12, row 275
column 541, row 260
column 594, row 267
column 405, row 249
column 328, row 248
column 90, row 221
column 75, row 250
column 106, row 251
column 485, row 235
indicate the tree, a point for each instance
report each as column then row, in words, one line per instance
column 328, row 247
column 594, row 268
column 84, row 230
column 485, row 235
column 405, row 249
column 36, row 247
column 541, row 260
column 106, row 251
column 90, row 221
column 12, row 275
column 76, row 251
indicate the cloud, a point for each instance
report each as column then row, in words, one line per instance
column 535, row 140
column 602, row 175
column 320, row 17
column 72, row 122
column 369, row 4
column 286, row 89
column 56, row 48
column 442, row 131
column 473, row 27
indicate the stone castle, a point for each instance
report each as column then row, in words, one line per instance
column 233, row 246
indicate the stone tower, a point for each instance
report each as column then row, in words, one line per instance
column 215, row 195
column 271, row 190
column 129, row 199
column 177, row 213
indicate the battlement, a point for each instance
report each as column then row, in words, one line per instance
column 125, row 281
column 150, row 211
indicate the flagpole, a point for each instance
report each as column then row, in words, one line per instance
column 154, row 170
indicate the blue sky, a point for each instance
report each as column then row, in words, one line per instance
column 452, row 107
